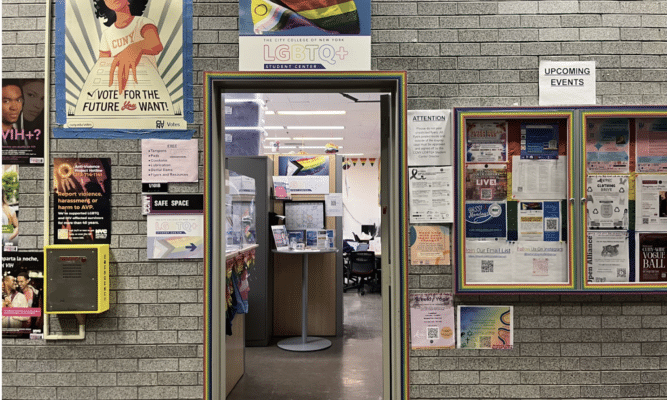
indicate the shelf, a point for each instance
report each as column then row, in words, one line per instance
column 234, row 253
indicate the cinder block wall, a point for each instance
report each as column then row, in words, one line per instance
column 457, row 53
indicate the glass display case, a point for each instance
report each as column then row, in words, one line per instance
column 240, row 227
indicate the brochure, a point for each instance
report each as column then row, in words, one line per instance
column 280, row 237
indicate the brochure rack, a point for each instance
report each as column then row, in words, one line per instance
column 570, row 200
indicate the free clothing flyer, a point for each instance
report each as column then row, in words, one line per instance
column 432, row 321
column 651, row 257
column 331, row 35
column 175, row 236
column 23, row 121
column 486, row 220
column 607, row 145
column 651, row 144
column 22, row 295
column 485, row 327
column 607, row 201
column 124, row 64
column 486, row 141
column 82, row 200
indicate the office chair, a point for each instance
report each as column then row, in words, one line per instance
column 361, row 270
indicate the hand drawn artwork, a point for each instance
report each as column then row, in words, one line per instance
column 123, row 66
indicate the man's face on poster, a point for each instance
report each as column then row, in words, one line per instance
column 12, row 104
column 33, row 99
column 9, row 284
column 23, row 283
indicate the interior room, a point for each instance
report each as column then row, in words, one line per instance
column 341, row 131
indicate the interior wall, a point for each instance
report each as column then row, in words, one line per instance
column 360, row 198
column 457, row 53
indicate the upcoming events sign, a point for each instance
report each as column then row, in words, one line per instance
column 117, row 70
column 82, row 200
column 567, row 83
column 332, row 35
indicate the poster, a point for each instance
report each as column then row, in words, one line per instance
column 539, row 179
column 607, row 145
column 539, row 141
column 607, row 257
column 82, row 200
column 23, row 121
column 10, row 207
column 280, row 237
column 486, row 141
column 607, row 201
column 486, row 182
column 431, row 194
column 429, row 137
column 429, row 245
column 333, row 204
column 539, row 221
column 488, row 261
column 651, row 202
column 331, row 35
column 169, row 160
column 651, row 257
column 123, row 69
column 303, row 165
column 22, row 295
column 540, row 262
column 651, row 145
column 432, row 321
column 486, row 220
column 175, row 236
column 485, row 327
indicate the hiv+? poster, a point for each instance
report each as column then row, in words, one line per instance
column 23, row 121
column 82, row 200
column 123, row 64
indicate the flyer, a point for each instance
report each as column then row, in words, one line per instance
column 539, row 141
column 487, row 182
column 607, row 145
column 10, row 207
column 539, row 221
column 651, row 257
column 429, row 137
column 281, row 189
column 333, row 204
column 607, row 257
column 607, row 201
column 119, row 80
column 651, row 144
column 485, row 327
column 303, row 165
column 175, row 236
column 23, row 121
column 486, row 220
column 651, row 202
column 539, row 179
column 169, row 160
column 82, row 200
column 486, row 141
column 488, row 261
column 431, row 194
column 22, row 295
column 429, row 245
column 280, row 237
column 540, row 262
column 432, row 321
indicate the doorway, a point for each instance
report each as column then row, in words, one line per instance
column 394, row 285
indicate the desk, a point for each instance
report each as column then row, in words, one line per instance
column 304, row 342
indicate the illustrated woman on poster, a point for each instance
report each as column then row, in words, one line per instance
column 129, row 37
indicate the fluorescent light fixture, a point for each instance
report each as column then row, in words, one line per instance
column 322, row 112
column 304, row 127
column 244, row 128
column 273, row 128
column 301, row 147
column 269, row 113
column 304, row 138
column 231, row 101
column 278, row 138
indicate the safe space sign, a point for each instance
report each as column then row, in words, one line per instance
column 82, row 200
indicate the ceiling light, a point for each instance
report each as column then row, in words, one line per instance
column 276, row 127
column 278, row 138
column 315, row 127
column 300, row 147
column 328, row 112
column 269, row 112
column 304, row 138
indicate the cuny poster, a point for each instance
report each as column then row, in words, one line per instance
column 22, row 295
column 651, row 257
column 332, row 35
column 23, row 121
column 123, row 66
column 82, row 200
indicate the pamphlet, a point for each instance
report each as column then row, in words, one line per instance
column 429, row 245
column 487, row 182
column 651, row 145
column 485, row 327
column 539, row 221
column 432, row 321
column 539, row 141
column 607, row 145
column 651, row 202
column 607, row 201
column 651, row 257
column 486, row 141
column 280, row 237
column 607, row 257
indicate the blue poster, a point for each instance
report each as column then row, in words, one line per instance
column 539, row 142
column 124, row 69
column 486, row 220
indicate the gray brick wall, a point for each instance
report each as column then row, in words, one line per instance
column 457, row 53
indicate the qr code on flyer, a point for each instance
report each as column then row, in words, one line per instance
column 621, row 273
column 432, row 332
column 63, row 234
column 487, row 265
column 485, row 342
column 551, row 224
column 540, row 267
column 486, row 194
